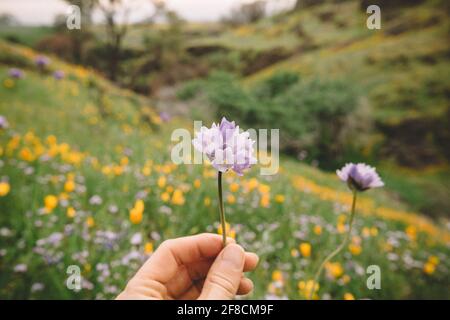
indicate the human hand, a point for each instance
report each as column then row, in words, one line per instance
column 194, row 267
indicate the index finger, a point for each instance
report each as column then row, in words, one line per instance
column 172, row 254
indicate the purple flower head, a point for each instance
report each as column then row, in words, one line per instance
column 3, row 123
column 165, row 117
column 226, row 128
column 226, row 147
column 360, row 177
column 42, row 61
column 15, row 73
column 58, row 74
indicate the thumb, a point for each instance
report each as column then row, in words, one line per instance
column 224, row 276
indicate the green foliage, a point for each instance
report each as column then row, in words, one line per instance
column 312, row 115
column 277, row 84
column 189, row 90
column 70, row 109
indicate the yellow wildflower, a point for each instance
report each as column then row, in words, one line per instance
column 264, row 188
column 355, row 249
column 27, row 155
column 8, row 83
column 135, row 216
column 374, row 231
column 334, row 269
column 305, row 249
column 231, row 199
column 277, row 276
column 207, row 201
column 146, row 171
column 69, row 186
column 234, row 187
column 165, row 196
column 265, row 201
column 429, row 268
column 71, row 212
column 136, row 213
column 124, row 161
column 279, row 198
column 178, row 198
column 348, row 296
column 317, row 230
column 197, row 183
column 341, row 228
column 230, row 231
column 50, row 203
column 162, row 181
column 366, row 232
column 307, row 288
column 411, row 231
column 4, row 188
column 90, row 222
column 252, row 184
column 434, row 260
column 148, row 248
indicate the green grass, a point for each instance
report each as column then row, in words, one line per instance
column 401, row 242
column 26, row 35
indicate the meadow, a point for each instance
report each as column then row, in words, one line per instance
column 87, row 180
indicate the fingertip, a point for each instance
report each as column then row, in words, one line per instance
column 245, row 286
column 251, row 261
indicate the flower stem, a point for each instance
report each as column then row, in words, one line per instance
column 222, row 212
column 337, row 250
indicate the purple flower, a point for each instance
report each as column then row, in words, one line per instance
column 96, row 200
column 226, row 147
column 165, row 117
column 15, row 73
column 58, row 74
column 360, row 176
column 41, row 61
column 20, row 268
column 3, row 123
column 226, row 129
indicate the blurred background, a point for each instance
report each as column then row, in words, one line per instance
column 86, row 117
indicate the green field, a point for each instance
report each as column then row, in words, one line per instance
column 79, row 152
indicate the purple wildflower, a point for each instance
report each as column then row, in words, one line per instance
column 360, row 176
column 15, row 73
column 58, row 74
column 226, row 147
column 3, row 123
column 96, row 200
column 41, row 61
column 165, row 117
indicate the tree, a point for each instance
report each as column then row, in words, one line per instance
column 80, row 36
column 7, row 19
column 246, row 13
column 116, row 14
column 306, row 3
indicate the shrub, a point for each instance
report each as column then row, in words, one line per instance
column 189, row 90
column 317, row 116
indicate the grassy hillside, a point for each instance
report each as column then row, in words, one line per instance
column 399, row 73
column 79, row 153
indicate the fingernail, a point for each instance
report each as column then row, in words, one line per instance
column 234, row 254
